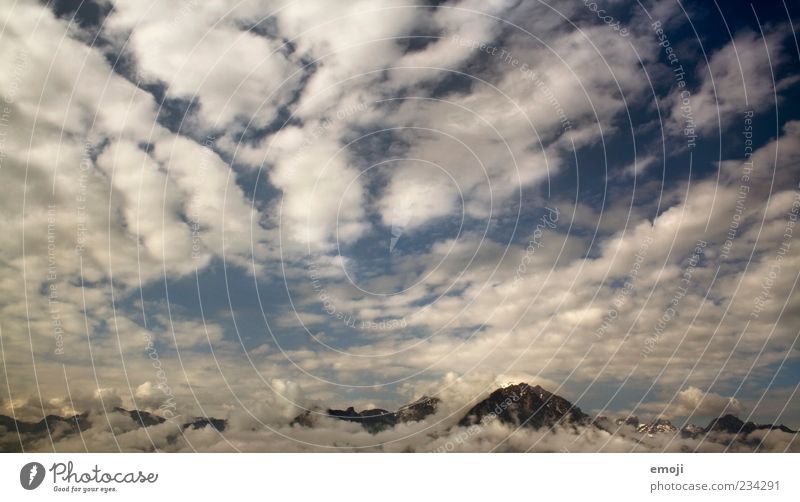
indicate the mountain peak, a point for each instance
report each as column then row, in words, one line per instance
column 731, row 424
column 376, row 419
column 525, row 405
column 734, row 425
column 659, row 425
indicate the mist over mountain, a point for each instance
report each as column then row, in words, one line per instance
column 525, row 406
column 519, row 417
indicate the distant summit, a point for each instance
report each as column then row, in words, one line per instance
column 53, row 425
column 376, row 419
column 657, row 426
column 523, row 405
column 734, row 425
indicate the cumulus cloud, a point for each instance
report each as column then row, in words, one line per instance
column 693, row 401
column 739, row 77
column 198, row 51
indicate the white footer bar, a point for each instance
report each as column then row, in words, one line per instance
column 390, row 477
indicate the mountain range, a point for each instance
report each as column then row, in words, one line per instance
column 519, row 405
column 374, row 420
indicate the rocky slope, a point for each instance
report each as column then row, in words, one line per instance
column 657, row 426
column 734, row 425
column 375, row 420
column 526, row 406
column 56, row 426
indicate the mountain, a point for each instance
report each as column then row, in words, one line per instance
column 80, row 423
column 603, row 422
column 74, row 423
column 631, row 420
column 418, row 410
column 780, row 427
column 143, row 418
column 201, row 422
column 520, row 404
column 375, row 420
column 657, row 426
column 516, row 405
column 527, row 406
column 734, row 425
column 731, row 424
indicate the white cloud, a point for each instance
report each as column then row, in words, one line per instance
column 740, row 76
column 694, row 402
column 197, row 50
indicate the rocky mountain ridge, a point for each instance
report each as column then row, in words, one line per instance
column 523, row 405
column 82, row 422
column 729, row 424
column 519, row 405
column 374, row 420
